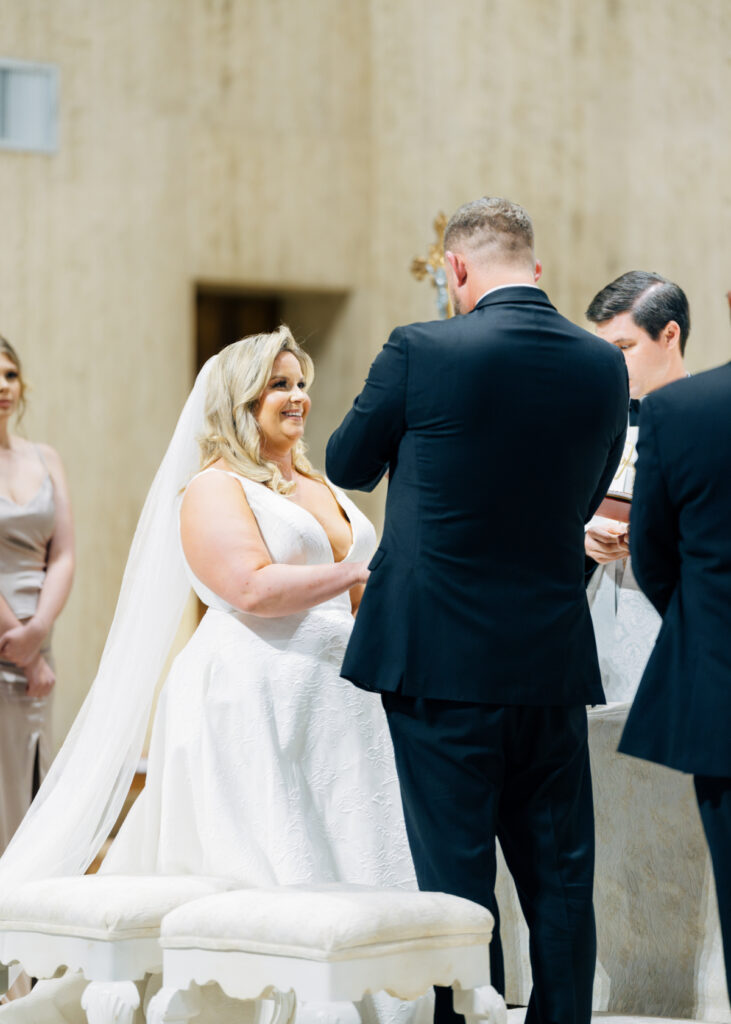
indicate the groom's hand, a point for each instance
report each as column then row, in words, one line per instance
column 606, row 544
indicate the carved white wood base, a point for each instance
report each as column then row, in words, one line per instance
column 478, row 1004
column 178, row 1006
column 328, row 1013
column 110, row 1002
column 152, row 985
column 41, row 954
column 285, row 1006
column 174, row 1006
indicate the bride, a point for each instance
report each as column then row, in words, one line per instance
column 264, row 765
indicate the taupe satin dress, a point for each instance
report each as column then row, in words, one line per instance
column 25, row 722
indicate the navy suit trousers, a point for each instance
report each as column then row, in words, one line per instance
column 472, row 772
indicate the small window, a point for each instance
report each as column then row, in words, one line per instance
column 28, row 106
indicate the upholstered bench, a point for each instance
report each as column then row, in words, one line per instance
column 106, row 926
column 325, row 945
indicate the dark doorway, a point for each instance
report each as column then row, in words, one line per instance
column 223, row 317
column 226, row 312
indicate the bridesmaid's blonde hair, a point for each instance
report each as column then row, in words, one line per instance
column 239, row 375
column 7, row 349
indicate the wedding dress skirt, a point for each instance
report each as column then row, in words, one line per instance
column 264, row 765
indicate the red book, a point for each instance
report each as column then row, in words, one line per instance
column 616, row 505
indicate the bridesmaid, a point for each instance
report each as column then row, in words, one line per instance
column 36, row 569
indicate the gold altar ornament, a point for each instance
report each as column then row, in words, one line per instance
column 433, row 266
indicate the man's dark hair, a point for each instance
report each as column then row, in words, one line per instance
column 652, row 300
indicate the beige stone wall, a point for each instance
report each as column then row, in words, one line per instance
column 306, row 146
column 606, row 120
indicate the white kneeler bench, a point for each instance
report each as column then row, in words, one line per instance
column 328, row 944
column 106, row 926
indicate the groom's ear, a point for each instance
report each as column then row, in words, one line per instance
column 458, row 265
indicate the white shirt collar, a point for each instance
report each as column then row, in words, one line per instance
column 491, row 290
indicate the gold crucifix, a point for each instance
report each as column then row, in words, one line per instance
column 433, row 266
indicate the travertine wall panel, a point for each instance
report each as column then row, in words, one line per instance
column 279, row 143
column 606, row 121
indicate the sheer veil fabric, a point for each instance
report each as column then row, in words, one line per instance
column 85, row 788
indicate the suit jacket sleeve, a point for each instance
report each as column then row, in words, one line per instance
column 365, row 443
column 615, row 452
column 654, row 523
column 590, row 567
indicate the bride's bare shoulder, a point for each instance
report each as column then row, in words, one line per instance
column 218, row 529
column 214, row 494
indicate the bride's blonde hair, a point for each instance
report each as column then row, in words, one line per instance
column 238, row 377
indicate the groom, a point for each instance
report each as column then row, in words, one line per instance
column 474, row 625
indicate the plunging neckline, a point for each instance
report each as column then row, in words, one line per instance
column 312, row 516
column 24, row 504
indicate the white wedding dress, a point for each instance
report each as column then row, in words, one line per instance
column 265, row 766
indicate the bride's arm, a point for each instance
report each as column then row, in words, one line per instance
column 356, row 596
column 225, row 550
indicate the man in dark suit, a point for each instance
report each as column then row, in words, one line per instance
column 474, row 625
column 680, row 540
column 647, row 317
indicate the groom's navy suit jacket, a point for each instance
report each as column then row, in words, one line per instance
column 501, row 430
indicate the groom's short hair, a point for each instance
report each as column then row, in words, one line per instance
column 492, row 223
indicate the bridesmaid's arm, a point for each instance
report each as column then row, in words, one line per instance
column 226, row 551
column 22, row 643
column 60, row 568
column 7, row 618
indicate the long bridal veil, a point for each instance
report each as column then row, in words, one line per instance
column 85, row 788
